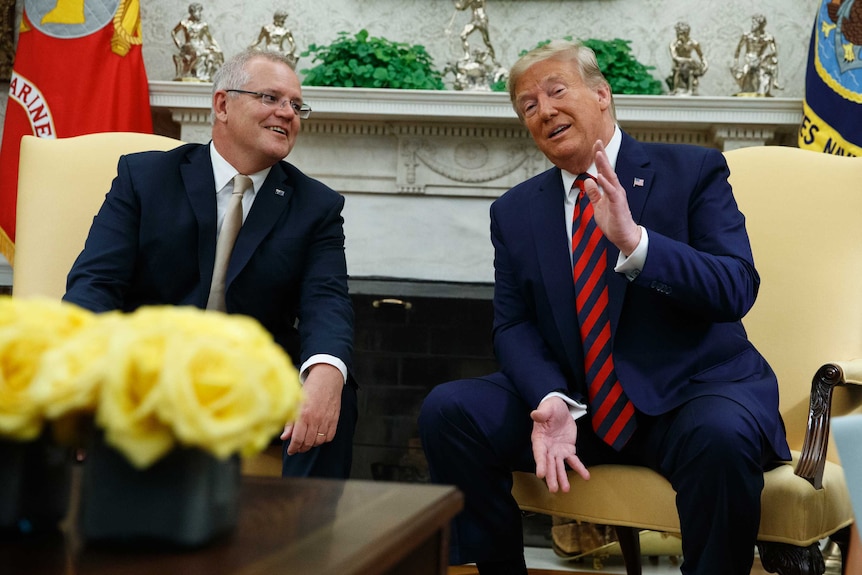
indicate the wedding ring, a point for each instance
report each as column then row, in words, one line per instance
column 321, row 434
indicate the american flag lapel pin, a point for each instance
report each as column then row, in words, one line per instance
column 281, row 192
column 638, row 183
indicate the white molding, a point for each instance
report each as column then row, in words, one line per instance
column 190, row 102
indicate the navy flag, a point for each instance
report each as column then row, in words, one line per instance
column 832, row 108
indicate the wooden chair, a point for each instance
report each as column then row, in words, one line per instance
column 61, row 185
column 803, row 214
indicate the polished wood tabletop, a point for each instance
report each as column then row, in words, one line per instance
column 295, row 526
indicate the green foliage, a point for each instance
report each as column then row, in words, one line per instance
column 500, row 86
column 367, row 62
column 623, row 71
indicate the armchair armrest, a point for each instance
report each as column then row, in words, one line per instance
column 813, row 457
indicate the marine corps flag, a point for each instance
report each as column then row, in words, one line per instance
column 78, row 69
column 832, row 109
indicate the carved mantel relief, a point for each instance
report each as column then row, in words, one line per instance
column 481, row 161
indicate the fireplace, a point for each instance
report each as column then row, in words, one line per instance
column 409, row 337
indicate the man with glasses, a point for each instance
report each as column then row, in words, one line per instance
column 154, row 241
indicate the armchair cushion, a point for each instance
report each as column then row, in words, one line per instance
column 607, row 498
column 793, row 511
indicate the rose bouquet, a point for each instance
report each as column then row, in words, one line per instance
column 155, row 379
column 174, row 395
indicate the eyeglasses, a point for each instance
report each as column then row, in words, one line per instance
column 268, row 100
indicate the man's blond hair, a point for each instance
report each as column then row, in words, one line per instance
column 582, row 58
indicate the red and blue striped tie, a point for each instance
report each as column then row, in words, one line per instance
column 611, row 410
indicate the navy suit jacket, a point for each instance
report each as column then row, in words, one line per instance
column 676, row 328
column 153, row 242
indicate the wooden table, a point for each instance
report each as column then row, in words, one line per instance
column 295, row 526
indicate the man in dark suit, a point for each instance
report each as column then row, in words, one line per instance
column 154, row 242
column 689, row 395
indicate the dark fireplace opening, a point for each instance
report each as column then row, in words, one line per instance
column 409, row 337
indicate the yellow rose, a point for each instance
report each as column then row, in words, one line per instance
column 70, row 372
column 208, row 380
column 130, row 392
column 28, row 329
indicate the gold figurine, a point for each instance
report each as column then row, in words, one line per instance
column 200, row 55
column 755, row 66
column 689, row 63
column 274, row 36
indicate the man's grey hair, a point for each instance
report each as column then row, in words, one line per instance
column 234, row 75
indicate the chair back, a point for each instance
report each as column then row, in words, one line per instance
column 803, row 212
column 61, row 185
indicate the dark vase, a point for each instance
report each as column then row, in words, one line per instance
column 35, row 485
column 186, row 499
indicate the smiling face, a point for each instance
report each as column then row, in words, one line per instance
column 248, row 134
column 563, row 114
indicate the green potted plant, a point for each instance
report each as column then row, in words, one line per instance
column 366, row 61
column 623, row 71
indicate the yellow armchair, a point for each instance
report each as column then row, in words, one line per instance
column 803, row 213
column 61, row 185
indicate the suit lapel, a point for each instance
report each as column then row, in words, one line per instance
column 271, row 200
column 636, row 178
column 269, row 203
column 555, row 260
column 197, row 175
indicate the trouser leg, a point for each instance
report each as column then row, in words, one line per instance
column 713, row 452
column 474, row 432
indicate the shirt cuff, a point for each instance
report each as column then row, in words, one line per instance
column 633, row 265
column 322, row 358
column 576, row 408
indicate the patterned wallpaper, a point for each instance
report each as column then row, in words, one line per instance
column 514, row 25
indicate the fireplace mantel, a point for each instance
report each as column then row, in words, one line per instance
column 722, row 122
column 420, row 168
